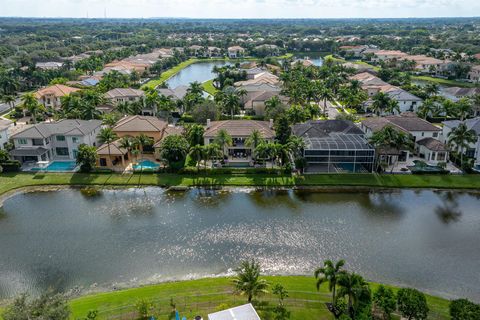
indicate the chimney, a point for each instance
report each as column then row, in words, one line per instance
column 208, row 123
column 271, row 123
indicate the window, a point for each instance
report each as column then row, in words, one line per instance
column 22, row 141
column 37, row 142
column 62, row 151
column 75, row 153
column 60, row 138
column 75, row 139
column 435, row 134
column 103, row 162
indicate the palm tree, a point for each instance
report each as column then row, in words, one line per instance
column 223, row 139
column 125, row 108
column 127, row 143
column 231, row 103
column 247, row 280
column 296, row 145
column 427, row 108
column 391, row 138
column 381, row 101
column 195, row 88
column 212, row 152
column 460, row 138
column 254, row 139
column 31, row 104
column 10, row 100
column 272, row 104
column 392, row 106
column 107, row 135
column 431, row 89
column 197, row 152
column 463, row 108
column 142, row 141
column 325, row 94
column 263, row 151
column 330, row 273
column 89, row 111
column 353, row 286
column 110, row 119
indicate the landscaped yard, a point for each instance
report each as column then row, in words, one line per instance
column 445, row 82
column 13, row 181
column 209, row 88
column 204, row 296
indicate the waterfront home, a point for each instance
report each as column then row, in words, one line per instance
column 428, row 145
column 353, row 51
column 384, row 55
column 244, row 312
column 261, row 78
column 130, row 126
column 54, row 140
column 257, row 95
column 120, row 95
column 51, row 96
column 473, row 150
column 426, row 64
column 267, row 49
column 239, row 153
column 139, row 66
column 235, row 52
column 335, row 146
column 175, row 94
column 4, row 127
column 373, row 85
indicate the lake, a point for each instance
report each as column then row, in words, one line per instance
column 200, row 72
column 122, row 238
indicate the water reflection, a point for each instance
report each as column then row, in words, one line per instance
column 449, row 210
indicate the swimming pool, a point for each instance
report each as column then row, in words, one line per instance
column 146, row 164
column 58, row 166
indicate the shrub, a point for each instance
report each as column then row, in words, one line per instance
column 463, row 309
column 412, row 304
column 11, row 166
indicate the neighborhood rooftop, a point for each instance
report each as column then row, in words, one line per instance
column 62, row 127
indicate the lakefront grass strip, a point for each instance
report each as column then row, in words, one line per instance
column 12, row 181
column 205, row 295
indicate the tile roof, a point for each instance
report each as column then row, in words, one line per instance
column 266, row 78
column 124, row 92
column 57, row 90
column 66, row 127
column 5, row 124
column 240, row 128
column 405, row 122
column 178, row 93
column 115, row 149
column 472, row 124
column 140, row 124
column 432, row 144
column 323, row 128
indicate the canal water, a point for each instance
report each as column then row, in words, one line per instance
column 65, row 240
column 200, row 72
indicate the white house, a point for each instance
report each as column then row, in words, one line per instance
column 474, row 74
column 54, row 140
column 4, row 126
column 235, row 52
column 244, row 312
column 473, row 150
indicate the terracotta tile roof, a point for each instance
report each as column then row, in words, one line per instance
column 115, row 149
column 240, row 128
column 432, row 144
column 124, row 92
column 140, row 124
column 404, row 122
column 57, row 90
column 267, row 77
column 236, row 48
column 169, row 131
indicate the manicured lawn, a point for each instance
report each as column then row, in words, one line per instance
column 205, row 295
column 209, row 88
column 363, row 63
column 445, row 82
column 13, row 181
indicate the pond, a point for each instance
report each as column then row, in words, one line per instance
column 65, row 240
column 200, row 72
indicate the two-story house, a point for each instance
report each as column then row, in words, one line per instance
column 473, row 150
column 51, row 96
column 54, row 140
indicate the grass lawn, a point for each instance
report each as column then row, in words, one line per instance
column 363, row 63
column 205, row 295
column 209, row 88
column 444, row 82
column 11, row 181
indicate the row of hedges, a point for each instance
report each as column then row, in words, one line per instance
column 233, row 171
column 10, row 166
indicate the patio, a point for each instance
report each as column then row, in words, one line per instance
column 398, row 166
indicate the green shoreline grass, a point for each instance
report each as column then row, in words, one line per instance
column 12, row 181
column 205, row 295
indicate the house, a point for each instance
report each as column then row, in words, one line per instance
column 120, row 95
column 239, row 130
column 303, row 62
column 51, row 65
column 425, row 64
column 235, row 52
column 423, row 133
column 474, row 74
column 384, row 55
column 4, row 127
column 244, row 312
column 54, row 140
column 473, row 150
column 130, row 126
column 261, row 78
column 407, row 102
column 258, row 94
column 51, row 96
column 457, row 93
column 353, row 51
column 128, row 66
column 176, row 94
column 267, row 49
column 196, row 50
column 335, row 146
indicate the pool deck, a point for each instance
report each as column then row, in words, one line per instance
column 410, row 162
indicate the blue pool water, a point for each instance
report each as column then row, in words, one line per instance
column 58, row 166
column 146, row 164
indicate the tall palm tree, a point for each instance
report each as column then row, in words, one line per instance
column 391, row 138
column 212, row 152
column 463, row 108
column 31, row 104
column 108, row 136
column 124, row 108
column 330, row 272
column 272, row 104
column 89, row 111
column 127, row 143
column 197, row 152
column 223, row 140
column 254, row 140
column 392, row 106
column 263, row 151
column 142, row 141
column 325, row 94
column 427, row 108
column 381, row 102
column 353, row 286
column 248, row 282
column 460, row 138
column 195, row 88
column 10, row 100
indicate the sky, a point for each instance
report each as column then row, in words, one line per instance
column 240, row 8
